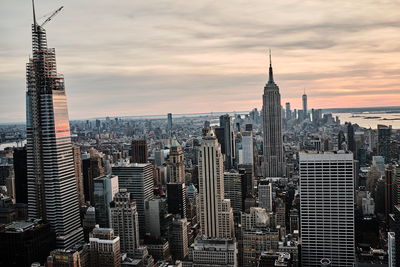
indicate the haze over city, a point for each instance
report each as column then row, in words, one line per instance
column 153, row 57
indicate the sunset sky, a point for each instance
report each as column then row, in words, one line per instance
column 125, row 57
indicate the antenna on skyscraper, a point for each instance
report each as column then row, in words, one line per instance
column 34, row 14
column 270, row 60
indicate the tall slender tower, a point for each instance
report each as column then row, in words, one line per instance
column 305, row 111
column 52, row 188
column 215, row 212
column 272, row 126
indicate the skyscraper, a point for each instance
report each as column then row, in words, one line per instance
column 105, row 188
column 327, row 208
column 384, row 133
column 76, row 151
column 52, row 188
column 288, row 113
column 216, row 215
column 139, row 151
column 104, row 248
column 137, row 178
column 304, row 100
column 169, row 123
column 125, row 222
column 272, row 127
column 20, row 172
column 177, row 199
column 175, row 164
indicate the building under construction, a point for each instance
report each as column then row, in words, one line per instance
column 52, row 188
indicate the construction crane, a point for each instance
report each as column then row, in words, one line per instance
column 51, row 16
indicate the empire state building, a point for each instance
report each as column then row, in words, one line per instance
column 272, row 128
column 52, row 188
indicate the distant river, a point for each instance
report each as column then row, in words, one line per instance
column 370, row 119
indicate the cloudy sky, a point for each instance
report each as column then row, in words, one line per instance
column 129, row 57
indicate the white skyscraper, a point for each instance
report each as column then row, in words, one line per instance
column 216, row 215
column 327, row 208
column 247, row 156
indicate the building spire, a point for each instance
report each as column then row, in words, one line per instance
column 271, row 75
column 34, row 14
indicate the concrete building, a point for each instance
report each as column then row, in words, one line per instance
column 105, row 188
column 272, row 129
column 178, row 240
column 104, row 248
column 125, row 222
column 233, row 188
column 137, row 178
column 333, row 237
column 139, row 152
column 175, row 164
column 265, row 195
column 215, row 212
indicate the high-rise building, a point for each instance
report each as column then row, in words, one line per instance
column 216, row 216
column 76, row 151
column 158, row 219
column 384, row 133
column 137, row 178
column 178, row 239
column 305, row 111
column 139, row 151
column 175, row 164
column 272, row 129
column 351, row 143
column 52, row 189
column 265, row 195
column 391, row 249
column 20, row 172
column 125, row 222
column 176, row 193
column 24, row 242
column 169, row 123
column 92, row 168
column 105, row 188
column 247, row 154
column 233, row 188
column 288, row 113
column 327, row 219
column 226, row 138
column 105, row 248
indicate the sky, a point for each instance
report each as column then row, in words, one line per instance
column 128, row 58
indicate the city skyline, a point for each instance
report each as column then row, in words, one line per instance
column 198, row 49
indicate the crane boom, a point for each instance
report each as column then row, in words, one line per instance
column 51, row 16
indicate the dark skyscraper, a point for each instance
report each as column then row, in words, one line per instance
column 351, row 143
column 176, row 199
column 272, row 126
column 305, row 109
column 225, row 137
column 384, row 133
column 52, row 189
column 341, row 140
column 139, row 151
column 21, row 186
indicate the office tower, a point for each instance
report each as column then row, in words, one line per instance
column 125, row 222
column 351, row 144
column 178, row 239
column 288, row 113
column 293, row 220
column 280, row 211
column 176, row 199
column 247, row 156
column 139, row 151
column 305, row 111
column 89, row 222
column 233, row 191
column 76, row 152
column 92, row 168
column 213, row 252
column 158, row 219
column 391, row 249
column 265, row 195
column 52, row 190
column 341, row 141
column 215, row 212
column 169, row 123
column 327, row 220
column 175, row 164
column 226, row 138
column 104, row 248
column 272, row 129
column 247, row 172
column 105, row 188
column 159, row 157
column 384, row 133
column 24, row 242
column 20, row 172
column 137, row 178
